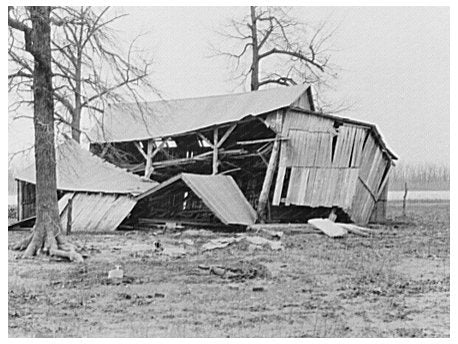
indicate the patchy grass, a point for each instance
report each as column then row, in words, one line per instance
column 395, row 283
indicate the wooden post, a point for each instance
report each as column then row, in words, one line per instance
column 149, row 158
column 404, row 200
column 215, row 151
column 20, row 209
column 69, row 216
column 264, row 196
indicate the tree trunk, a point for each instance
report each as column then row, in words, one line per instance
column 45, row 235
column 76, row 120
column 255, row 57
column 76, row 115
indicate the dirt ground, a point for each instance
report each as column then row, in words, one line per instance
column 395, row 283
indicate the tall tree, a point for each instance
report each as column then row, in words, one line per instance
column 89, row 70
column 46, row 235
column 271, row 47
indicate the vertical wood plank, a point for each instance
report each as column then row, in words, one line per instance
column 215, row 151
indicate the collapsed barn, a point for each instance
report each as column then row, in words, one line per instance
column 290, row 162
column 96, row 196
column 228, row 160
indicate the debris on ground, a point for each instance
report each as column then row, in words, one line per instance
column 239, row 271
column 284, row 228
column 273, row 234
column 173, row 251
column 258, row 288
column 197, row 232
column 188, row 242
column 361, row 231
column 328, row 227
column 116, row 273
column 219, row 243
column 255, row 242
column 260, row 241
column 117, row 281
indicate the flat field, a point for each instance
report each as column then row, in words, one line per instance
column 395, row 283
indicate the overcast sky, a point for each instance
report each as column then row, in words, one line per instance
column 394, row 66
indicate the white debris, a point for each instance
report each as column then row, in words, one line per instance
column 260, row 241
column 116, row 273
column 173, row 251
column 328, row 227
column 188, row 242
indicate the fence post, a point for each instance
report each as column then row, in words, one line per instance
column 404, row 200
column 69, row 217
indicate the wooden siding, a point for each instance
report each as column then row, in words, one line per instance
column 26, row 200
column 329, row 164
column 95, row 212
column 379, row 213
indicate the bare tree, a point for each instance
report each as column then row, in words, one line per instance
column 89, row 71
column 290, row 51
column 46, row 235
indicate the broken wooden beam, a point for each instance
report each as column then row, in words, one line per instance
column 266, row 185
column 215, row 152
column 226, row 135
column 254, row 142
column 355, row 229
column 287, row 228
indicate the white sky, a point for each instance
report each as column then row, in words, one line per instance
column 395, row 65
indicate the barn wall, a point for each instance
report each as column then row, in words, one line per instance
column 374, row 170
column 26, row 200
column 379, row 213
column 329, row 164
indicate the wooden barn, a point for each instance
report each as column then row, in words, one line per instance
column 93, row 194
column 290, row 162
column 96, row 196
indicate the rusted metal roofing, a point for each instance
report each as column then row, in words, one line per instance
column 95, row 212
column 219, row 193
column 128, row 122
column 79, row 170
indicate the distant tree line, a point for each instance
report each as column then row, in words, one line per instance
column 424, row 176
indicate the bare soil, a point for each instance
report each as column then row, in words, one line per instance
column 395, row 283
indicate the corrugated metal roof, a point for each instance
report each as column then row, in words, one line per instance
column 126, row 122
column 219, row 193
column 95, row 212
column 79, row 170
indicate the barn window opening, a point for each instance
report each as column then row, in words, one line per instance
column 284, row 190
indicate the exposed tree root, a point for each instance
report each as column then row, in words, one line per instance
column 22, row 245
column 47, row 242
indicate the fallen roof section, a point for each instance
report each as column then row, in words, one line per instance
column 219, row 193
column 132, row 121
column 90, row 212
column 79, row 170
column 95, row 212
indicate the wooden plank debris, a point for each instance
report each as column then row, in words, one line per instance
column 328, row 227
column 355, row 229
